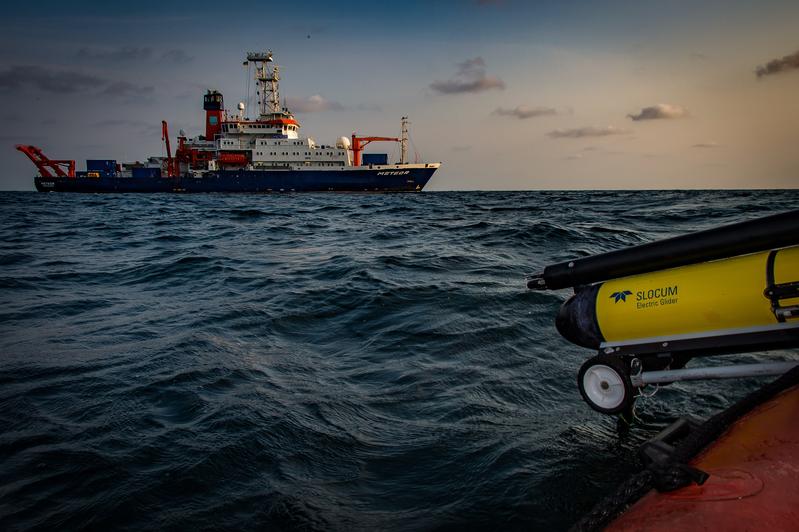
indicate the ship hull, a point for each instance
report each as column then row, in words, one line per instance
column 387, row 179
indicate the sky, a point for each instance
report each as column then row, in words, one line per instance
column 508, row 95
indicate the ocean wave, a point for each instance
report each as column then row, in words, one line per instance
column 314, row 361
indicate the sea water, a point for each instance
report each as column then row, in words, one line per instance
column 316, row 361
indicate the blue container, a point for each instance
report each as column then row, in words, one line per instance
column 146, row 172
column 375, row 158
column 104, row 166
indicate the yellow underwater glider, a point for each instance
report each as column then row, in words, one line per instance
column 650, row 309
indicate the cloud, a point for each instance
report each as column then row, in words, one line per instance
column 313, row 104
column 119, row 122
column 588, row 131
column 22, row 77
column 16, row 138
column 46, row 80
column 370, row 107
column 706, row 145
column 125, row 89
column 138, row 126
column 177, row 56
column 125, row 53
column 523, row 112
column 470, row 77
column 129, row 54
column 775, row 66
column 661, row 110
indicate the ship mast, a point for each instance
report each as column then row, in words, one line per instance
column 267, row 79
column 404, row 141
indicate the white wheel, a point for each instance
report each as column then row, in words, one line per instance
column 603, row 386
column 604, row 383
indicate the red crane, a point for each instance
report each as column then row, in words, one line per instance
column 45, row 165
column 171, row 164
column 359, row 143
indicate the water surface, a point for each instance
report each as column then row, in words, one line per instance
column 319, row 361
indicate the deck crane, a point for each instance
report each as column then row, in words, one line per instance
column 45, row 165
column 359, row 143
column 171, row 164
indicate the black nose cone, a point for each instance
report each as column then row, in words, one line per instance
column 576, row 320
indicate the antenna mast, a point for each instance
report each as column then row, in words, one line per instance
column 267, row 80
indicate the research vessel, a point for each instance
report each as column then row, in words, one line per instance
column 240, row 154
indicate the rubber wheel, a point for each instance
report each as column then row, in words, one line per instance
column 604, row 383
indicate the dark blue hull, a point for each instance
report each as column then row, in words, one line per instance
column 351, row 180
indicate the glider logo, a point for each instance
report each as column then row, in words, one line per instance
column 621, row 296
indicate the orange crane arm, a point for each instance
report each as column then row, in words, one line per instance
column 45, row 165
column 170, row 166
column 359, row 143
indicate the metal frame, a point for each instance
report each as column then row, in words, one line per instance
column 718, row 372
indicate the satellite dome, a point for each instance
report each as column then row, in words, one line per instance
column 343, row 143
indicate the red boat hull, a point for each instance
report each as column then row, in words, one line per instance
column 753, row 483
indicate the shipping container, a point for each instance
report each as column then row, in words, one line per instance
column 146, row 172
column 104, row 166
column 375, row 158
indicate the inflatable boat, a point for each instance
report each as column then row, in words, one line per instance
column 735, row 471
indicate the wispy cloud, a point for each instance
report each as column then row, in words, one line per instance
column 313, row 104
column 123, row 54
column 370, row 107
column 660, row 111
column 706, row 145
column 470, row 77
column 775, row 66
column 16, row 138
column 139, row 126
column 125, row 89
column 523, row 112
column 118, row 122
column 21, row 77
column 46, row 80
column 587, row 131
column 177, row 56
column 129, row 54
